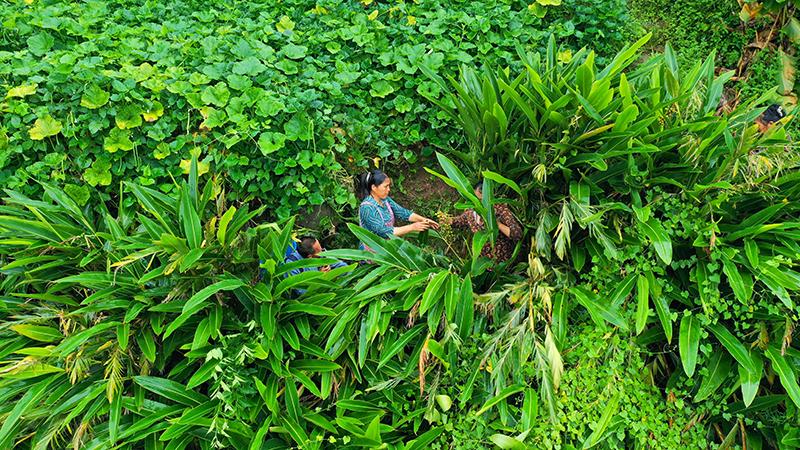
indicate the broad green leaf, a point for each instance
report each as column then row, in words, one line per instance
column 217, row 95
column 118, row 139
column 80, row 194
column 152, row 113
column 295, row 51
column 94, row 97
column 129, row 117
column 40, row 43
column 270, row 142
column 689, row 342
column 44, row 127
column 381, row 88
column 299, row 127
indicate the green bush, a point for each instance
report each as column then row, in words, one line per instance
column 648, row 211
column 694, row 28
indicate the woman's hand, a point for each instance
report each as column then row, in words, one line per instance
column 419, row 226
column 431, row 223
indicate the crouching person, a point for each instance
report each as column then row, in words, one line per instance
column 309, row 247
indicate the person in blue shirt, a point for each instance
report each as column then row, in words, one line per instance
column 309, row 247
column 378, row 212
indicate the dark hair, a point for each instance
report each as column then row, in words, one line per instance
column 365, row 181
column 773, row 113
column 478, row 186
column 306, row 246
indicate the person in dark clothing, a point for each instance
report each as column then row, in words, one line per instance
column 510, row 229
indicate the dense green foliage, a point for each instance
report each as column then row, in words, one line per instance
column 284, row 99
column 694, row 28
column 675, row 225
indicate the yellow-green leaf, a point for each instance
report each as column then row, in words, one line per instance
column 22, row 91
column 154, row 112
column 94, row 97
column 44, row 127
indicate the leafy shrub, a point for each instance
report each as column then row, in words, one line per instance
column 694, row 28
column 651, row 213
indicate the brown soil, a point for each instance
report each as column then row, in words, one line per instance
column 423, row 192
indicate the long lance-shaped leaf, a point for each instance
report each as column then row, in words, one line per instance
column 28, row 401
column 425, row 440
column 689, row 342
column 749, row 380
column 784, row 369
column 655, row 232
column 643, row 303
column 599, row 308
column 719, row 368
column 29, row 227
column 502, row 395
column 735, row 347
column 398, row 345
column 171, row 390
column 379, row 246
column 197, row 302
column 191, row 221
column 623, row 290
column 596, row 436
column 457, row 177
column 69, row 204
column 153, row 207
column 735, row 280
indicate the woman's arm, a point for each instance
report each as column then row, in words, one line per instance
column 413, row 226
column 410, row 216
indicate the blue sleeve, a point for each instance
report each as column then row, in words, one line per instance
column 338, row 265
column 371, row 221
column 293, row 257
column 399, row 212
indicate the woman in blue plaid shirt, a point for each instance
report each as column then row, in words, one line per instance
column 378, row 211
